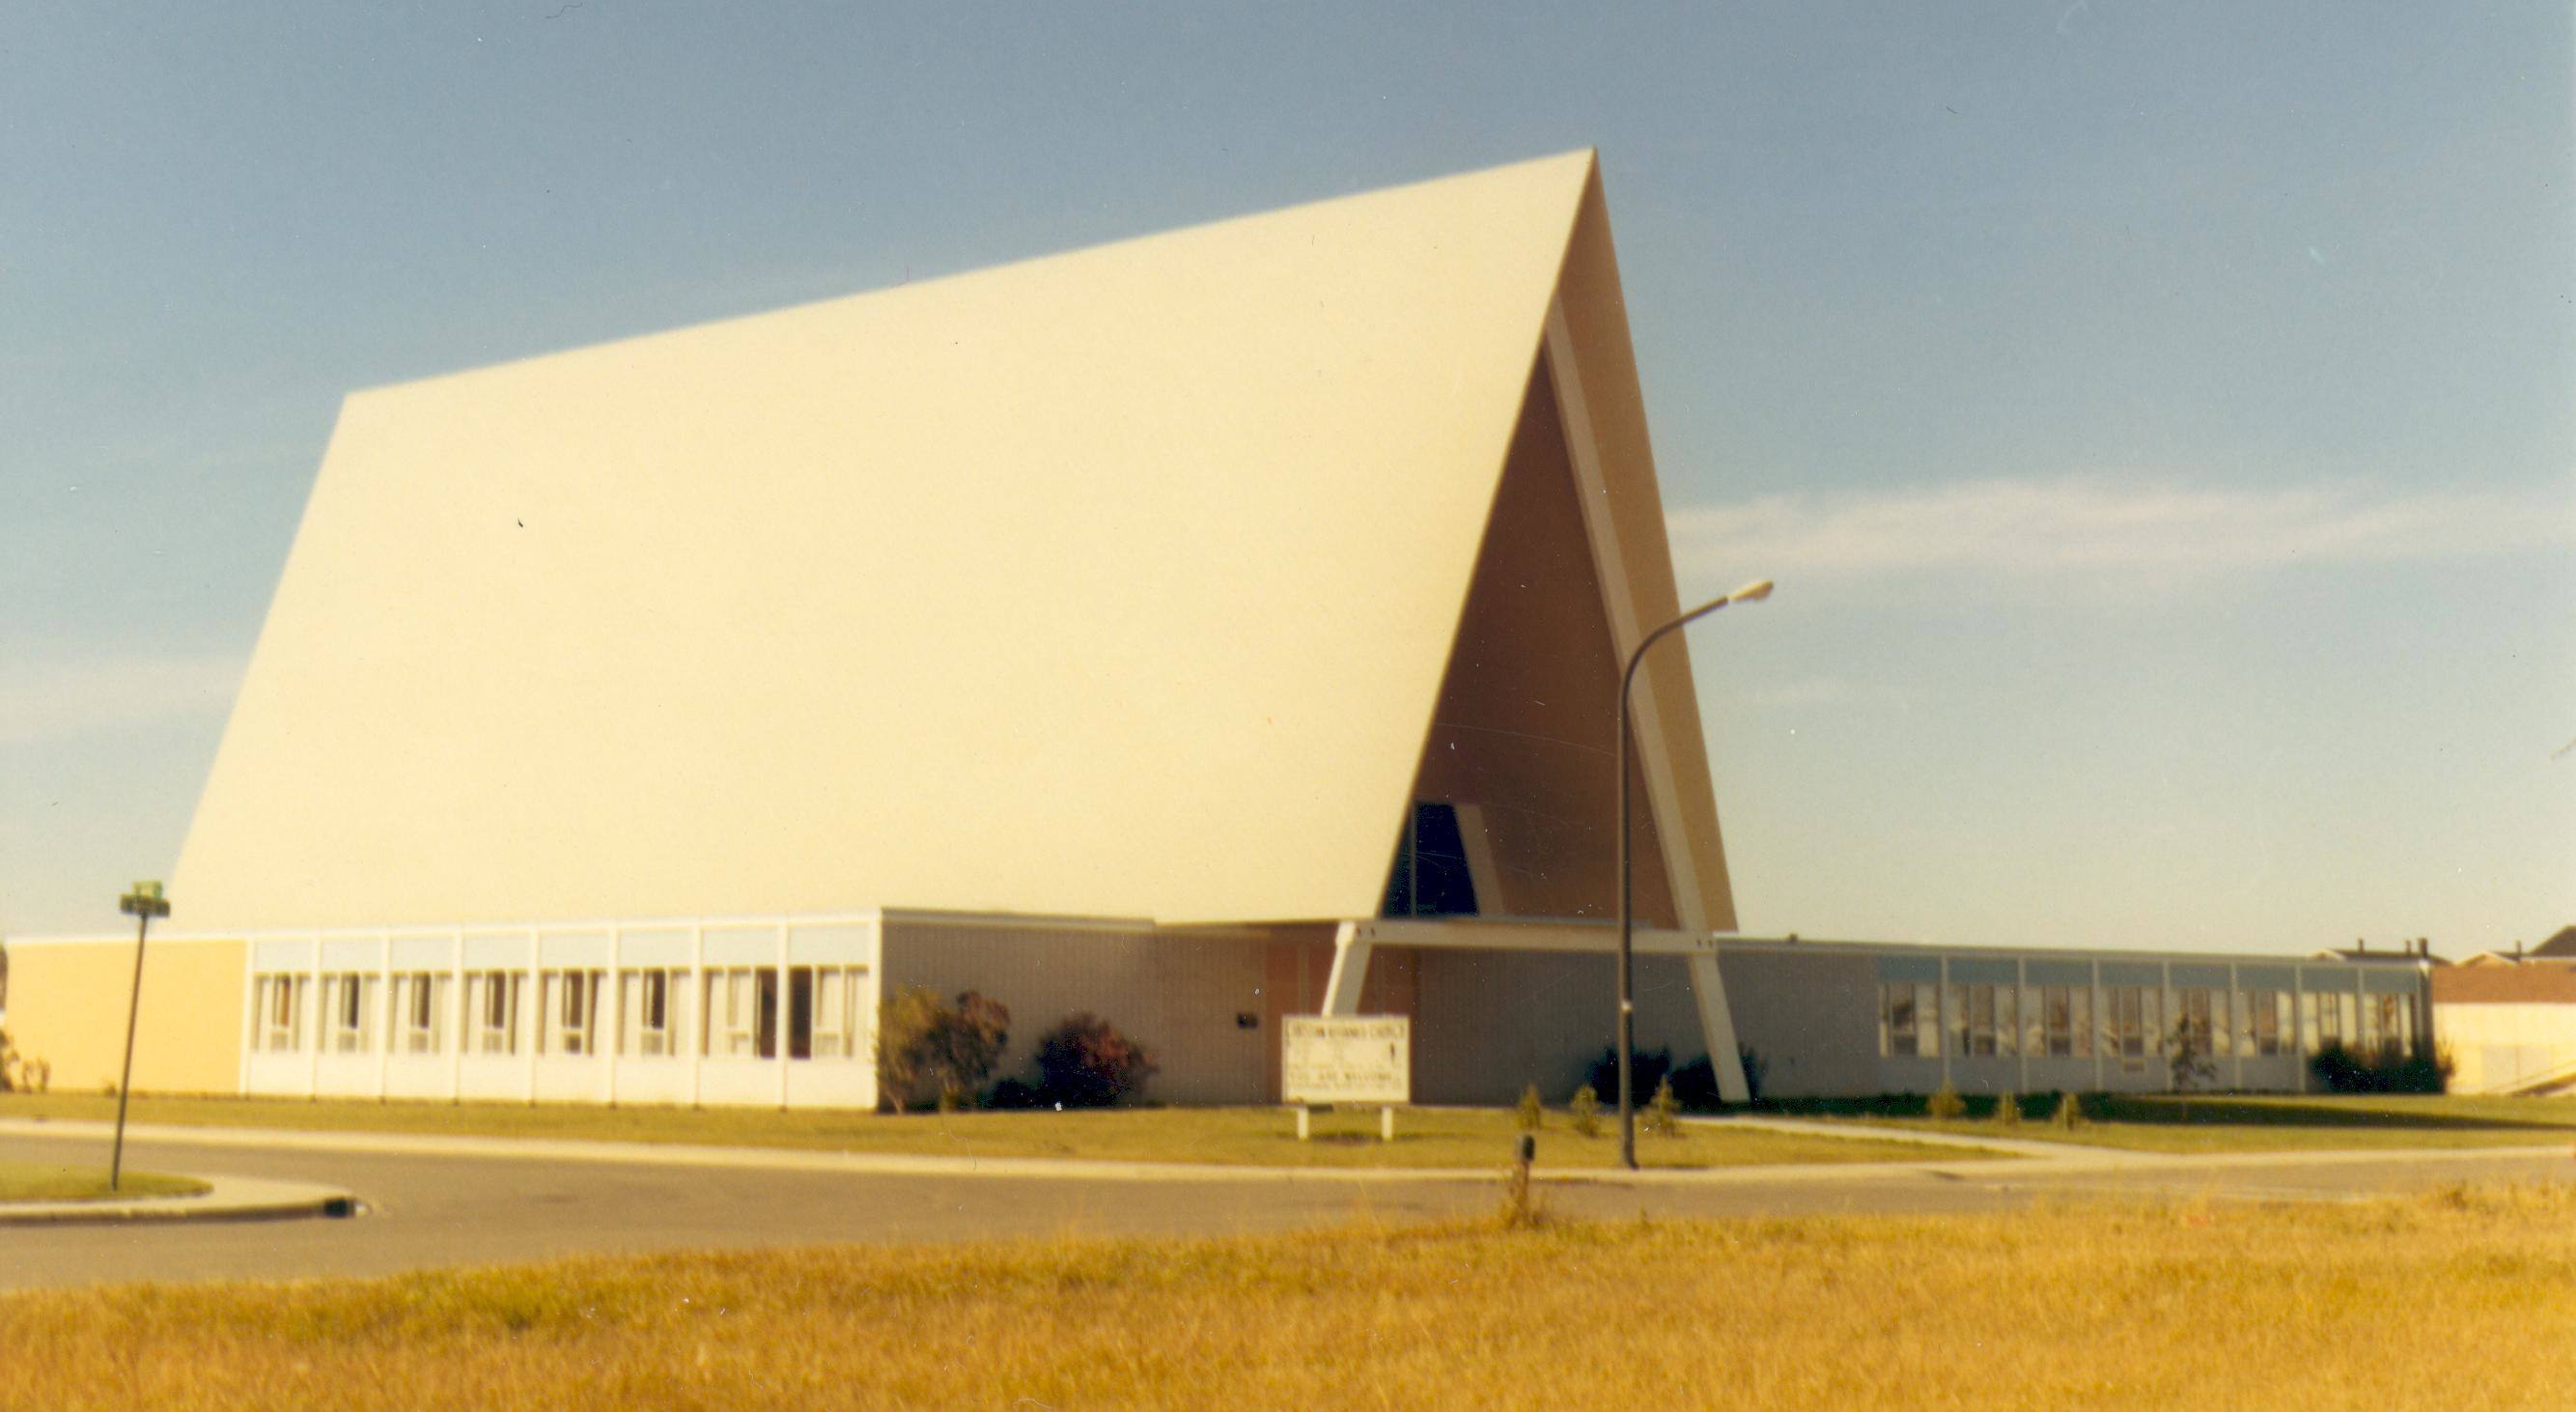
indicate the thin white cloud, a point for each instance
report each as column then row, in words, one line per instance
column 98, row 696
column 2092, row 524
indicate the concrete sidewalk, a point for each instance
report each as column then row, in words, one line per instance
column 225, row 1199
column 2031, row 1158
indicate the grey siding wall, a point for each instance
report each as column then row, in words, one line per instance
column 1811, row 1019
column 1176, row 995
column 1493, row 1022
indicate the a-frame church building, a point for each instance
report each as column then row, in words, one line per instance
column 1196, row 630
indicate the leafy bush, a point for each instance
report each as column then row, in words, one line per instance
column 2349, row 1071
column 1646, row 1070
column 20, row 1074
column 1086, row 1063
column 1586, row 1111
column 1695, row 1086
column 1945, row 1103
column 2069, row 1114
column 2008, row 1110
column 931, row 1052
column 1529, row 1113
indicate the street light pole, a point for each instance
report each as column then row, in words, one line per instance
column 1751, row 593
column 142, row 904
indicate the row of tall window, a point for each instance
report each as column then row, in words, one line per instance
column 2133, row 1022
column 732, row 1012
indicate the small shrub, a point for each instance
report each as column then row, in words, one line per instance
column 1945, row 1103
column 18, row 1073
column 930, row 1052
column 1586, row 1111
column 1644, row 1072
column 2069, row 1113
column 1086, row 1063
column 1695, row 1086
column 2008, row 1111
column 1663, row 1112
column 1528, row 1113
column 2187, row 1056
column 2344, row 1070
column 1014, row 1095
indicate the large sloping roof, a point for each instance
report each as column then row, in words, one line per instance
column 1118, row 582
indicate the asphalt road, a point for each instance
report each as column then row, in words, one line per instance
column 430, row 1211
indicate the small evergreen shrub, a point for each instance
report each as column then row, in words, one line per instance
column 1529, row 1113
column 1662, row 1116
column 1945, row 1103
column 1086, row 1063
column 1586, row 1111
column 2008, row 1111
column 2069, row 1113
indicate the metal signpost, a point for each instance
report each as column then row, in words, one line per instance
column 1364, row 1060
column 142, row 904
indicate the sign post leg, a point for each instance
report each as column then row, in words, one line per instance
column 1305, row 1122
column 1386, row 1125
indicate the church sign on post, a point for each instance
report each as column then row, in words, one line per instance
column 1355, row 1059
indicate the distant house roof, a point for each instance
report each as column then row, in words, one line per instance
column 2399, row 957
column 2563, row 944
column 2505, row 985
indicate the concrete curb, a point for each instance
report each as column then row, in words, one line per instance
column 225, row 1199
column 2038, row 1159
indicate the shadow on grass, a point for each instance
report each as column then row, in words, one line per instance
column 2219, row 1110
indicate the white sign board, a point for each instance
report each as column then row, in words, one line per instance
column 1347, row 1059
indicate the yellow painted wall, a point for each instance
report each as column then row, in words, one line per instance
column 67, row 1002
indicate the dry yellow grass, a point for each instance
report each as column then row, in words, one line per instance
column 2379, row 1304
column 53, row 1181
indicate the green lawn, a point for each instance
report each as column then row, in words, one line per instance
column 43, row 1181
column 2251, row 1123
column 1241, row 1136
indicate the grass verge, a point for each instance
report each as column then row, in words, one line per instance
column 2247, row 1123
column 2109, row 1306
column 1239, row 1136
column 45, row 1181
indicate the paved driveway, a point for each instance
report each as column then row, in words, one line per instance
column 434, row 1209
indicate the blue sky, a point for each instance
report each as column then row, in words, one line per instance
column 2159, row 420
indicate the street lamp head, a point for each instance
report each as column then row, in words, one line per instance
column 1753, row 592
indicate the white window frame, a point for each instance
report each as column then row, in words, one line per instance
column 568, row 1015
column 414, row 1031
column 280, row 1011
column 485, row 992
column 836, row 1029
column 638, row 1036
column 346, row 1027
column 731, row 1007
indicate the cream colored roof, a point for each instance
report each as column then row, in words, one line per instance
column 1117, row 583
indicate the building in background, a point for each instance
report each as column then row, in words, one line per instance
column 1193, row 631
column 2508, row 1018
